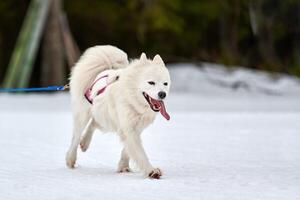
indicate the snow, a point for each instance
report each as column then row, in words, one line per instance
column 223, row 142
column 215, row 79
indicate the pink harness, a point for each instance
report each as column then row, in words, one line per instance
column 98, row 86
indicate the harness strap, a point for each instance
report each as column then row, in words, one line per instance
column 88, row 92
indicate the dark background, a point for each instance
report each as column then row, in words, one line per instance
column 257, row 34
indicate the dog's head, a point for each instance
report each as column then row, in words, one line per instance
column 153, row 83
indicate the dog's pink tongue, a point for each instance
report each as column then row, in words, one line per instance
column 163, row 110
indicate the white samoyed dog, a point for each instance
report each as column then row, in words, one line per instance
column 113, row 95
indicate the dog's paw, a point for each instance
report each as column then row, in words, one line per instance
column 85, row 143
column 70, row 161
column 124, row 169
column 83, row 146
column 155, row 173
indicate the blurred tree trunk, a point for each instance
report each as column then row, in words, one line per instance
column 1, row 68
column 229, row 30
column 53, row 63
column 233, row 31
column 265, row 36
column 22, row 60
column 296, row 56
column 71, row 47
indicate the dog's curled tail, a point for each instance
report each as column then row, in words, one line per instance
column 93, row 61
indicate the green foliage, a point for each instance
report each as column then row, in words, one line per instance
column 12, row 13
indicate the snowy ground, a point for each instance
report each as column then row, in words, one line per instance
column 232, row 135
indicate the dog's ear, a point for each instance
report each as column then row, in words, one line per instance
column 143, row 58
column 157, row 60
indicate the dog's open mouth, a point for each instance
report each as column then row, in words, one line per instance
column 157, row 105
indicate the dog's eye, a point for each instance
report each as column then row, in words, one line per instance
column 165, row 83
column 151, row 83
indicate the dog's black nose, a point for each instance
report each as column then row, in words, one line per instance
column 162, row 95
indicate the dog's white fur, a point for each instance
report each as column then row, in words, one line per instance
column 122, row 108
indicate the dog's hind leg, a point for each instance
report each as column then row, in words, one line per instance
column 79, row 124
column 72, row 152
column 124, row 162
column 87, row 135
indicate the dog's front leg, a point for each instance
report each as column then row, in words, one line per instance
column 134, row 148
